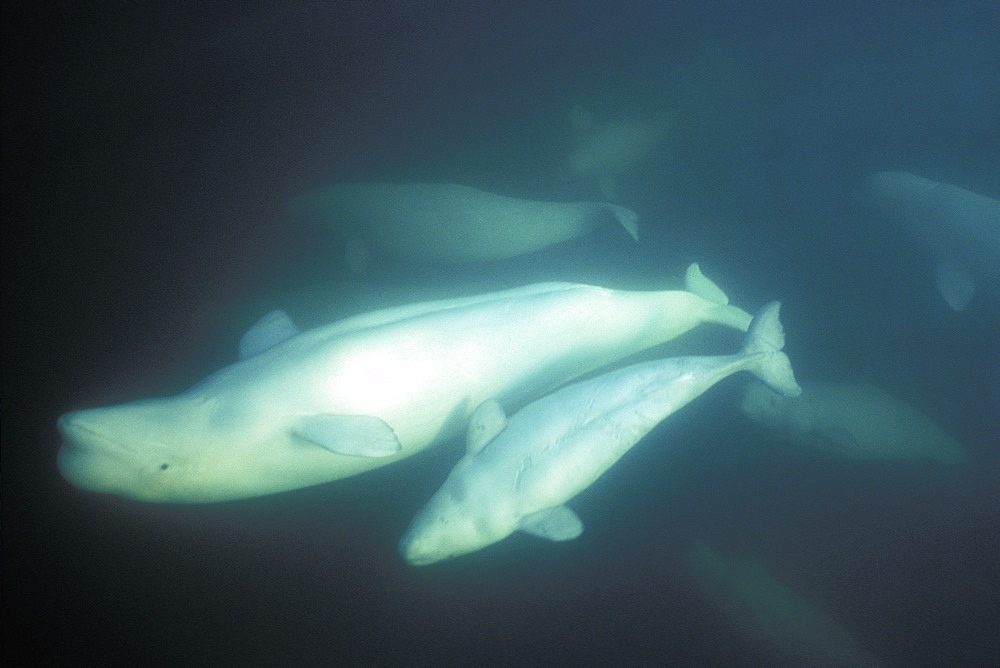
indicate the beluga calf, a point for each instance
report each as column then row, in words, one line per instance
column 519, row 473
column 304, row 408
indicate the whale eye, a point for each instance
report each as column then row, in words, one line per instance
column 164, row 466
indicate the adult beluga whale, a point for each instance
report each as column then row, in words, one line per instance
column 960, row 228
column 603, row 151
column 519, row 473
column 448, row 222
column 303, row 408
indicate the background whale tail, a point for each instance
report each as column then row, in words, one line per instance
column 627, row 218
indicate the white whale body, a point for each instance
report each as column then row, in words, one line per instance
column 960, row 228
column 787, row 628
column 305, row 408
column 852, row 421
column 447, row 222
column 603, row 151
column 519, row 473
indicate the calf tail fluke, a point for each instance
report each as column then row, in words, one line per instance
column 766, row 337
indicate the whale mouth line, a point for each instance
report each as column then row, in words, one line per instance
column 94, row 454
column 82, row 438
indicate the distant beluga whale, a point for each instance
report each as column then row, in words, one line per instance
column 519, row 473
column 960, row 228
column 785, row 627
column 448, row 222
column 603, row 151
column 303, row 408
column 852, row 421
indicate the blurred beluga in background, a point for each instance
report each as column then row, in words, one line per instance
column 784, row 626
column 448, row 222
column 852, row 421
column 604, row 151
column 960, row 228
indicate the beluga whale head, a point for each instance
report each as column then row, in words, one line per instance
column 183, row 449
column 268, row 423
column 446, row 527
column 204, row 445
column 132, row 450
column 200, row 448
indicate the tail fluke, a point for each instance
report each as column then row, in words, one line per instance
column 697, row 283
column 767, row 336
column 703, row 286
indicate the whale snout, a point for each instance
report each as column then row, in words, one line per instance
column 82, row 432
column 78, row 434
column 67, row 424
column 84, row 458
column 425, row 542
column 80, row 427
column 90, row 459
column 415, row 551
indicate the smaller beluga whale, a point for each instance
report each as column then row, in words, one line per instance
column 302, row 408
column 604, row 151
column 518, row 473
column 448, row 222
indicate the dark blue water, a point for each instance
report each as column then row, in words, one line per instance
column 149, row 153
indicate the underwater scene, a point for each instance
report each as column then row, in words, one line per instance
column 430, row 333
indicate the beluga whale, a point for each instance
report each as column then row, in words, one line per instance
column 786, row 628
column 519, row 473
column 852, row 421
column 603, row 151
column 960, row 228
column 449, row 222
column 304, row 408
